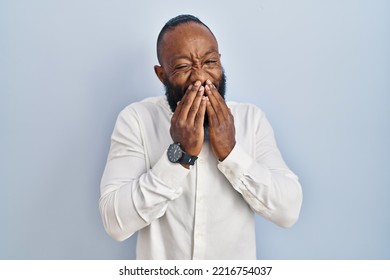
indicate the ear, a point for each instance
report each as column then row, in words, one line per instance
column 159, row 72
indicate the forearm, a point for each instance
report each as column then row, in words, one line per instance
column 130, row 201
column 272, row 192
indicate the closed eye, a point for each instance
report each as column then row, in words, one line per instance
column 182, row 66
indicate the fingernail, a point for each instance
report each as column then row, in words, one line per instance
column 201, row 88
column 208, row 82
column 197, row 83
column 190, row 87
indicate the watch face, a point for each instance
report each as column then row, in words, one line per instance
column 174, row 152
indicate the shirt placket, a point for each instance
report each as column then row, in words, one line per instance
column 200, row 221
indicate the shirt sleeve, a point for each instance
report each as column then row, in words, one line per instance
column 132, row 195
column 263, row 179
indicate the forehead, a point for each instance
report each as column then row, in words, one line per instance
column 187, row 39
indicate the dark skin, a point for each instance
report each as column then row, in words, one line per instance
column 190, row 59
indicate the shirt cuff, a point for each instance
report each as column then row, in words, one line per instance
column 240, row 164
column 171, row 174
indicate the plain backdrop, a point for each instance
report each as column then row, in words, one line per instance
column 319, row 69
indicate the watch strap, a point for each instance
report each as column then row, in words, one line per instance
column 188, row 159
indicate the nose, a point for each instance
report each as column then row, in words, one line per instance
column 198, row 74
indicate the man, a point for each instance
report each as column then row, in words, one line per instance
column 188, row 171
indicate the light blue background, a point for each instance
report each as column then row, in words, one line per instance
column 319, row 69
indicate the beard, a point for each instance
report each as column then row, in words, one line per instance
column 175, row 93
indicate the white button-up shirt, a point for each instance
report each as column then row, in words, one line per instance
column 205, row 212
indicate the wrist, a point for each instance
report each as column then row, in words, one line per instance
column 187, row 166
column 225, row 153
column 177, row 155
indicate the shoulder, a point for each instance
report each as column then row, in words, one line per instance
column 149, row 102
column 245, row 110
column 149, row 105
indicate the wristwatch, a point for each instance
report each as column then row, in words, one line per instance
column 177, row 155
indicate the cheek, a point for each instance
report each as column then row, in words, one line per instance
column 179, row 79
column 215, row 73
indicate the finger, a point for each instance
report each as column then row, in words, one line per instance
column 217, row 102
column 195, row 106
column 179, row 103
column 214, row 90
column 213, row 120
column 188, row 99
column 178, row 112
column 200, row 115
